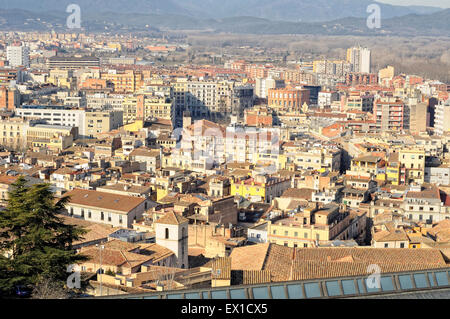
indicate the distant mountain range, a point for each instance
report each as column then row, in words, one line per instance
column 432, row 24
column 283, row 10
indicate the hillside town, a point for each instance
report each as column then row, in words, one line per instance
column 231, row 172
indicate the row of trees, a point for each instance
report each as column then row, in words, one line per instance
column 35, row 244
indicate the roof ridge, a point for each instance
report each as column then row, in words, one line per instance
column 126, row 259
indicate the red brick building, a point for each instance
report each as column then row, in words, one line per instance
column 288, row 99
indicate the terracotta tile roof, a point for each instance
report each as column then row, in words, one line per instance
column 431, row 191
column 254, row 277
column 120, row 253
column 145, row 152
column 394, row 235
column 117, row 258
column 298, row 193
column 221, row 268
column 7, row 179
column 285, row 263
column 172, row 218
column 441, row 231
column 249, row 257
column 102, row 200
column 157, row 252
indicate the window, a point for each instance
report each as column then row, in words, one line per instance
column 386, row 245
column 260, row 293
column 221, row 294
column 386, row 284
column 441, row 278
column 349, row 287
column 192, row 296
column 333, row 288
column 312, row 290
column 237, row 294
column 167, row 233
column 402, row 245
column 102, row 217
column 278, row 292
column 420, row 280
column 405, row 282
column 295, row 291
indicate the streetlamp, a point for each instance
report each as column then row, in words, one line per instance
column 101, row 247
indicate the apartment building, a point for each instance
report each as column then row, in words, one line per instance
column 360, row 102
column 360, row 59
column 261, row 188
column 316, row 224
column 128, row 81
column 326, row 98
column 418, row 118
column 212, row 100
column 54, row 137
column 442, row 118
column 98, row 122
column 288, row 99
column 18, row 55
column 312, row 158
column 412, row 162
column 263, row 85
column 105, row 208
column 389, row 115
column 105, row 101
column 9, row 98
column 146, row 107
column 55, row 115
column 72, row 63
column 423, row 204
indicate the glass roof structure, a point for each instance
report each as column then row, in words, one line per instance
column 343, row 287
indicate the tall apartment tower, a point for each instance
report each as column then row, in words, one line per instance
column 442, row 118
column 172, row 233
column 360, row 59
column 18, row 56
column 264, row 84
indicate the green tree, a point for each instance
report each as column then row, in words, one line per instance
column 37, row 240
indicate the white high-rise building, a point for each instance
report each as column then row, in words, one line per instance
column 18, row 56
column 264, row 84
column 360, row 59
column 442, row 118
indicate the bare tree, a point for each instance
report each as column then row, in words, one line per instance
column 49, row 289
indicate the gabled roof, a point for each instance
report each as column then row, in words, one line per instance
column 172, row 218
column 286, row 263
column 104, row 200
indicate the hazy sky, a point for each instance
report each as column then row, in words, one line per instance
column 435, row 3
